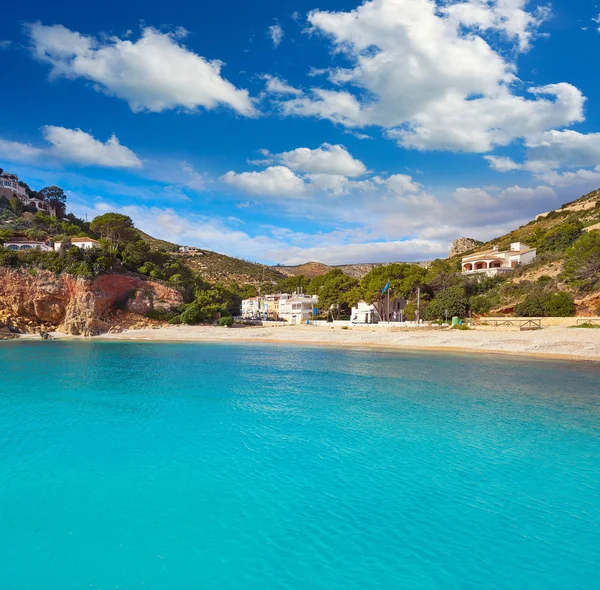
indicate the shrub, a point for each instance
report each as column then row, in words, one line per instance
column 534, row 305
column 545, row 304
column 193, row 314
column 175, row 321
column 226, row 321
column 453, row 300
column 480, row 304
column 560, row 305
column 582, row 263
column 559, row 238
column 162, row 315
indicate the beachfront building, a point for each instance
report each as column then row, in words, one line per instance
column 297, row 307
column 10, row 188
column 81, row 243
column 25, row 244
column 252, row 308
column 364, row 313
column 494, row 262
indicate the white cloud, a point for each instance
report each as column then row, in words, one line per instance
column 14, row 151
column 154, row 73
column 275, row 181
column 276, row 33
column 275, row 85
column 556, row 150
column 72, row 146
column 430, row 78
column 5, row 43
column 506, row 16
column 326, row 159
column 502, row 164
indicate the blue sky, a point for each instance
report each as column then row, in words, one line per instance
column 287, row 132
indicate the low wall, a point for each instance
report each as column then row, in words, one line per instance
column 546, row 322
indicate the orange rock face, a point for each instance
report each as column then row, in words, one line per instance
column 43, row 300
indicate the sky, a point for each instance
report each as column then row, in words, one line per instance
column 285, row 132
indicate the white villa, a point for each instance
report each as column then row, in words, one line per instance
column 10, row 188
column 25, row 244
column 81, row 243
column 297, row 308
column 493, row 262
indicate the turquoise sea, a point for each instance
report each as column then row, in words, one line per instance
column 201, row 466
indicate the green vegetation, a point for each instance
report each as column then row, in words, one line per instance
column 226, row 321
column 582, row 263
column 546, row 304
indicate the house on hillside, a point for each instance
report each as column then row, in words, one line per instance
column 189, row 250
column 81, row 243
column 25, row 244
column 10, row 188
column 494, row 262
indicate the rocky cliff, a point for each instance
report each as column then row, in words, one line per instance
column 42, row 301
column 463, row 245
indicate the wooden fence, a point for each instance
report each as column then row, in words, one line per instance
column 521, row 323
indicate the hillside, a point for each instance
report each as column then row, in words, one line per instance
column 553, row 234
column 226, row 270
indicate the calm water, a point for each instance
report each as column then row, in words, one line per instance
column 184, row 466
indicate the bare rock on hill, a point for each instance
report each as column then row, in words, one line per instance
column 463, row 245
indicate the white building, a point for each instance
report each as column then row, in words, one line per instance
column 10, row 188
column 189, row 250
column 252, row 308
column 81, row 243
column 364, row 313
column 297, row 308
column 493, row 262
column 25, row 244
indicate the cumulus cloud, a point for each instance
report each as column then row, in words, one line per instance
column 72, row 146
column 274, row 181
column 428, row 75
column 276, row 33
column 552, row 151
column 153, row 73
column 326, row 159
column 75, row 145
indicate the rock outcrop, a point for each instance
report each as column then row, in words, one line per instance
column 42, row 301
column 463, row 245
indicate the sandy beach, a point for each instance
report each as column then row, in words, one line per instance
column 551, row 342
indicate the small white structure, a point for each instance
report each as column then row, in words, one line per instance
column 25, row 244
column 493, row 262
column 81, row 243
column 189, row 250
column 297, row 308
column 364, row 313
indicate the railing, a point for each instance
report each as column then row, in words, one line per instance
column 522, row 324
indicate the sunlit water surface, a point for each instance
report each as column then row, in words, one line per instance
column 194, row 466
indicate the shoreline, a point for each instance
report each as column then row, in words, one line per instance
column 554, row 343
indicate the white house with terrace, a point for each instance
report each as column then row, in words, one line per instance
column 81, row 243
column 494, row 262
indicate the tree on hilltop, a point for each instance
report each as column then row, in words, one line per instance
column 115, row 228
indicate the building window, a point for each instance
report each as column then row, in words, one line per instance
column 13, row 247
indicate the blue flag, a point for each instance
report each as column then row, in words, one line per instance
column 384, row 290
